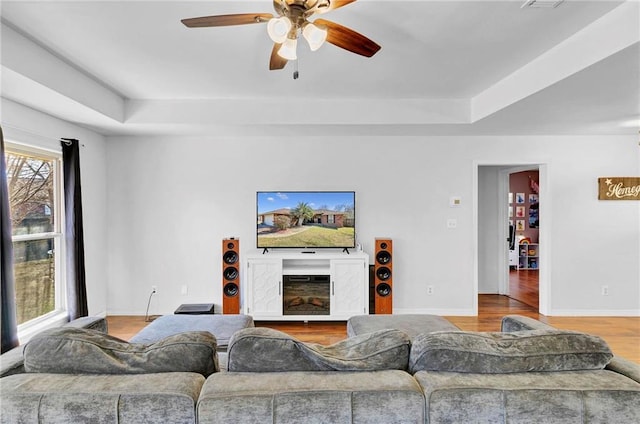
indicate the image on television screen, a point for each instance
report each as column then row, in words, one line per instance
column 306, row 219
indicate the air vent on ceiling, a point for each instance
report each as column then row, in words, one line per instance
column 547, row 4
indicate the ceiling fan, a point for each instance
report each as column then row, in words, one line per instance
column 292, row 20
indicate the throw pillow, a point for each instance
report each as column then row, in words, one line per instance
column 267, row 350
column 521, row 351
column 69, row 350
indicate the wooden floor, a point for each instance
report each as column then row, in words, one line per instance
column 621, row 333
column 524, row 286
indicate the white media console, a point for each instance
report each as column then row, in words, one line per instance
column 295, row 286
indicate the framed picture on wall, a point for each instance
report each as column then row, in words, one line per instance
column 534, row 219
column 519, row 211
column 519, row 197
column 510, row 197
column 533, row 199
column 519, row 224
column 510, row 211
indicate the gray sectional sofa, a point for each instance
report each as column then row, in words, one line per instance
column 393, row 370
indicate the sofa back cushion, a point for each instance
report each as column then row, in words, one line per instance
column 82, row 351
column 521, row 351
column 267, row 350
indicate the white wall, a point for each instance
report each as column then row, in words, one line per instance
column 172, row 199
column 489, row 235
column 24, row 125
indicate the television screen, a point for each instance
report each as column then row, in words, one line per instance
column 306, row 219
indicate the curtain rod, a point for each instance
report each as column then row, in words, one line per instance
column 68, row 141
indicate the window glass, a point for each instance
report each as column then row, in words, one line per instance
column 34, row 268
column 35, row 206
column 31, row 193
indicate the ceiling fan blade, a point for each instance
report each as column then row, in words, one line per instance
column 276, row 61
column 333, row 5
column 348, row 39
column 226, row 20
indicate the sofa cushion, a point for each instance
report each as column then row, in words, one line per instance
column 268, row 350
column 581, row 397
column 310, row 397
column 12, row 362
column 117, row 399
column 81, row 351
column 522, row 351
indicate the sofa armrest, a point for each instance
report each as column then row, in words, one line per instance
column 12, row 362
column 625, row 367
column 91, row 323
column 511, row 323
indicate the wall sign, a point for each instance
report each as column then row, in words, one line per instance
column 619, row 188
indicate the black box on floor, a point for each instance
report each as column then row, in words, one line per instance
column 195, row 309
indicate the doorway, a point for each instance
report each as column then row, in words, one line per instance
column 494, row 274
column 524, row 219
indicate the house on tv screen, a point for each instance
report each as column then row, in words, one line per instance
column 326, row 217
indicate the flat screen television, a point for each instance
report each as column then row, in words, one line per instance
column 306, row 219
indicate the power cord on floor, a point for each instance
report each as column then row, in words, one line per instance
column 146, row 314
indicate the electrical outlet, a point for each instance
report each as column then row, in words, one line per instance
column 605, row 290
column 154, row 289
column 184, row 289
column 429, row 290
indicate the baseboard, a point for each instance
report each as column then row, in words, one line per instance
column 126, row 312
column 441, row 312
column 594, row 313
column 102, row 314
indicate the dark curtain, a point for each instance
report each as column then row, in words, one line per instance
column 76, row 280
column 8, row 291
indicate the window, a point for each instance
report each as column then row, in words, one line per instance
column 34, row 181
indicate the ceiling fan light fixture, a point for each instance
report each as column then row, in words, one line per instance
column 315, row 35
column 288, row 49
column 278, row 29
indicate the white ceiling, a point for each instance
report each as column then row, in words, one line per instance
column 445, row 67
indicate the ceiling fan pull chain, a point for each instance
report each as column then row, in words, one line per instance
column 295, row 72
